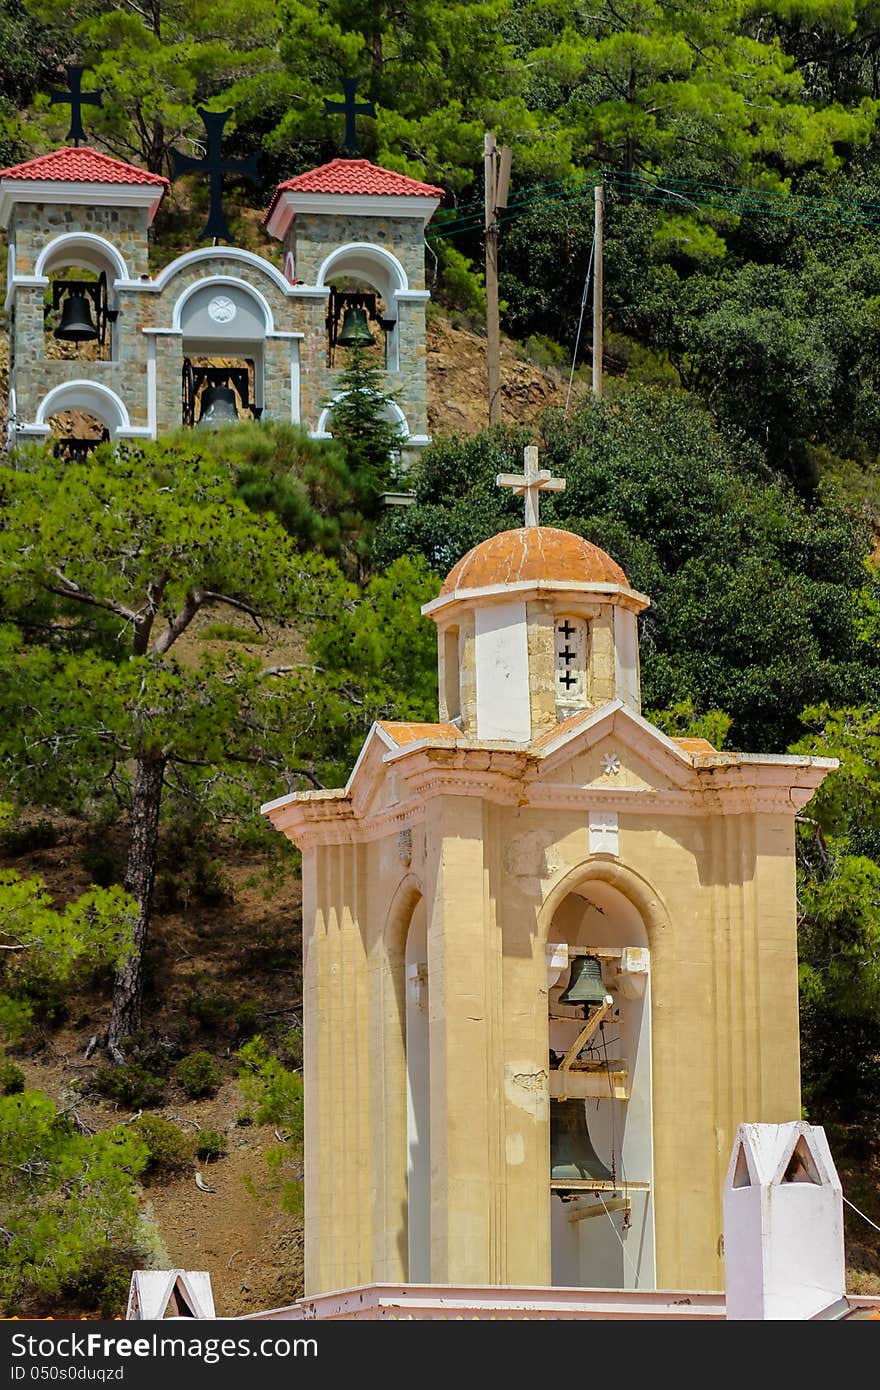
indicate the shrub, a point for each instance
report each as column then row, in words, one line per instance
column 211, row 1144
column 102, row 864
column 198, row 1075
column 209, row 1010
column 247, row 1019
column 210, row 882
column 12, row 1078
column 169, row 1150
column 229, row 632
column 244, row 1118
column 130, row 1084
column 24, row 839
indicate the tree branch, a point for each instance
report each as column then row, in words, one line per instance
column 72, row 590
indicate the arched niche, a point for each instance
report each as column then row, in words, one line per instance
column 606, row 1238
column 391, row 411
column 372, row 266
column 83, row 257
column 225, row 321
column 83, row 249
column 89, row 397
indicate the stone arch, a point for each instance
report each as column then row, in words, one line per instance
column 632, row 885
column 90, row 397
column 380, row 269
column 226, row 253
column 374, row 264
column 215, row 281
column 392, row 412
column 83, row 249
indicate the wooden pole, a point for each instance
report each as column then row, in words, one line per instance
column 598, row 283
column 493, row 328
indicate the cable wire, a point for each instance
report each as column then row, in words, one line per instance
column 580, row 323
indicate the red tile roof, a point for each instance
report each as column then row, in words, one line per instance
column 82, row 165
column 358, row 176
column 355, row 178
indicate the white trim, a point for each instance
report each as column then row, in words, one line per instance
column 208, row 253
column 323, row 433
column 86, row 239
column 538, row 586
column 209, row 280
column 15, row 282
column 417, row 206
column 295, row 383
column 116, row 195
column 50, row 404
column 412, row 296
column 277, row 334
column 371, row 252
column 162, row 332
column 152, row 404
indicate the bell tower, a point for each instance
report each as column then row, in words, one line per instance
column 549, row 954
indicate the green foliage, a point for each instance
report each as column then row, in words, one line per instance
column 44, row 948
column 230, row 632
column 26, row 837
column 839, row 925
column 131, row 1084
column 12, row 1078
column 360, row 420
column 273, row 1090
column 276, row 1093
column 211, row 1144
column 101, row 863
column 169, row 1150
column 209, row 1010
column 198, row 1075
column 682, row 721
column 247, row 1019
column 67, row 1202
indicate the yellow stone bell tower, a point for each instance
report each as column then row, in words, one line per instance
column 549, row 954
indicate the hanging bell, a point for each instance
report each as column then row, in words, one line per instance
column 585, row 984
column 571, row 1149
column 355, row 331
column 218, row 407
column 76, row 324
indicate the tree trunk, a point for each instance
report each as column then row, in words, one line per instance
column 140, row 874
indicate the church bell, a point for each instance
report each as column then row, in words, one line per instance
column 585, row 985
column 355, row 331
column 571, row 1149
column 76, row 324
column 218, row 407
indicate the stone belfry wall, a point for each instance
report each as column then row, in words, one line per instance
column 77, row 211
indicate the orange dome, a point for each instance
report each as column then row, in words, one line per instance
column 533, row 552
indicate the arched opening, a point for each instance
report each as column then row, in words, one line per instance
column 418, row 1099
column 451, row 687
column 601, row 1160
column 224, row 325
column 391, row 411
column 79, row 415
column 364, row 278
column 80, row 304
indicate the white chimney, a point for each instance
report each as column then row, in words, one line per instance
column 783, row 1223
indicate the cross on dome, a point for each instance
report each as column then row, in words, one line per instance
column 531, row 483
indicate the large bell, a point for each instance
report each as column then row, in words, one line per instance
column 218, row 406
column 585, row 983
column 571, row 1149
column 76, row 324
column 355, row 331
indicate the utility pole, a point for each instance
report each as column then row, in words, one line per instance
column 598, row 283
column 496, row 170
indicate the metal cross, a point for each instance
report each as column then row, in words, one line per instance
column 76, row 99
column 530, row 483
column 215, row 166
column 350, row 109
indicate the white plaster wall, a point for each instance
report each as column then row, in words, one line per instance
column 502, row 666
column 626, row 657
